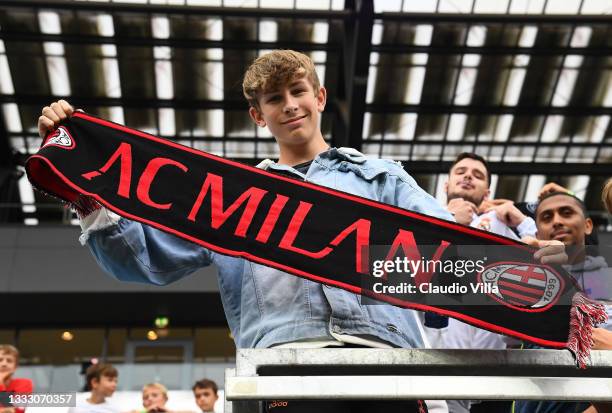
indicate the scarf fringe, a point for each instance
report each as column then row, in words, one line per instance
column 85, row 205
column 584, row 316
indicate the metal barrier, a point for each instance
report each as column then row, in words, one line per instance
column 337, row 374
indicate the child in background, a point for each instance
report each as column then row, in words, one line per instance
column 9, row 360
column 102, row 381
column 206, row 395
column 154, row 399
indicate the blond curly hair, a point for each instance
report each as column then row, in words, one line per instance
column 275, row 69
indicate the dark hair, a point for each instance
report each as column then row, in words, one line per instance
column 96, row 371
column 471, row 155
column 568, row 194
column 205, row 384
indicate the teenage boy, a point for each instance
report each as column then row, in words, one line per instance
column 266, row 307
column 9, row 361
column 102, row 381
column 205, row 393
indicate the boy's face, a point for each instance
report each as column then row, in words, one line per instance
column 8, row 364
column 291, row 112
column 105, row 386
column 205, row 398
column 153, row 397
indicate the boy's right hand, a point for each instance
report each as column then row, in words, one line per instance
column 52, row 115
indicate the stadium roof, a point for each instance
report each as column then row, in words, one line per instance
column 527, row 84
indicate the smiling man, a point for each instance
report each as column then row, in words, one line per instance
column 561, row 216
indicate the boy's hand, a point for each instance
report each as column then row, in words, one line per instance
column 52, row 115
column 550, row 252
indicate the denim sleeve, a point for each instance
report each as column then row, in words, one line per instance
column 409, row 195
column 130, row 251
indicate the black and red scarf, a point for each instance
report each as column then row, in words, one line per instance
column 315, row 232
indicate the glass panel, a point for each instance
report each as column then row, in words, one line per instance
column 214, row 343
column 41, row 346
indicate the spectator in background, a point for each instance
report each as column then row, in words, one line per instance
column 467, row 192
column 562, row 216
column 606, row 195
column 529, row 208
column 9, row 360
column 205, row 393
column 154, row 399
column 102, row 381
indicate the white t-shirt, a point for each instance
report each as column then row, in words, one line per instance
column 490, row 222
column 83, row 406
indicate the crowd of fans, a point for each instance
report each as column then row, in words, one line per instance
column 101, row 381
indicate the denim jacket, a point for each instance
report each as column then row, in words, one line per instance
column 264, row 306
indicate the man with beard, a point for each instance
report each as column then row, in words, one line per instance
column 561, row 216
column 467, row 192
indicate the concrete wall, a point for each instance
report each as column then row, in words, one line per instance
column 47, row 259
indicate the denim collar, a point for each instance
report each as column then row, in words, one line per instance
column 325, row 158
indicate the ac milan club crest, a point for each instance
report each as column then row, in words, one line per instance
column 62, row 138
column 523, row 286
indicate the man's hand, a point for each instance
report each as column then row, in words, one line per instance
column 508, row 214
column 52, row 115
column 550, row 252
column 463, row 211
column 602, row 339
column 549, row 188
column 487, row 204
